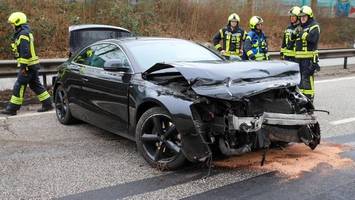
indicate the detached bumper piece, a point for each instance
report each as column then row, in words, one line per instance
column 278, row 127
column 289, row 119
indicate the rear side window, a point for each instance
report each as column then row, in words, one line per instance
column 81, row 38
column 97, row 55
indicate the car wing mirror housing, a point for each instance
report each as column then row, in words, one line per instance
column 115, row 65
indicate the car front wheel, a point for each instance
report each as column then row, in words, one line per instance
column 158, row 140
column 62, row 106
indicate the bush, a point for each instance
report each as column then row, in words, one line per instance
column 50, row 20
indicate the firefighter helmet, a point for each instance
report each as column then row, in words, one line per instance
column 233, row 17
column 254, row 21
column 17, row 18
column 306, row 10
column 294, row 11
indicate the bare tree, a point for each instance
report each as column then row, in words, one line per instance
column 314, row 6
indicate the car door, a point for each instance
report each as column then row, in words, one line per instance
column 105, row 93
column 73, row 82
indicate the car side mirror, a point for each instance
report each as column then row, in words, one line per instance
column 115, row 65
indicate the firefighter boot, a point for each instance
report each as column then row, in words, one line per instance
column 9, row 112
column 45, row 108
column 46, row 105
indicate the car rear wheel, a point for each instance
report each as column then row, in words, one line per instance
column 158, row 140
column 62, row 106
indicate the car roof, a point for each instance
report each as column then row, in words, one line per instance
column 91, row 26
column 127, row 40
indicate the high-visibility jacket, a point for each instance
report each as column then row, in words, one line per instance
column 307, row 41
column 232, row 40
column 288, row 46
column 255, row 46
column 23, row 47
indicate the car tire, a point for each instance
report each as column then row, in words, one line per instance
column 62, row 109
column 158, row 140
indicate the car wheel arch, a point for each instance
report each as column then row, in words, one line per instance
column 146, row 105
column 55, row 87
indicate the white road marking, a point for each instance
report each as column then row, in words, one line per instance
column 336, row 79
column 343, row 121
column 27, row 115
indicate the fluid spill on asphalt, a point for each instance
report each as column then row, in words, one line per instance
column 291, row 161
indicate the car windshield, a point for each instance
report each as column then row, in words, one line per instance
column 149, row 52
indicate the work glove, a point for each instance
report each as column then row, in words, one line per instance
column 313, row 68
column 14, row 50
column 316, row 67
column 24, row 69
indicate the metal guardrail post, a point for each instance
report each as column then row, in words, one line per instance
column 45, row 80
column 345, row 62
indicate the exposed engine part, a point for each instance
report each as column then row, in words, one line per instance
column 245, row 124
column 226, row 150
column 300, row 102
column 238, row 127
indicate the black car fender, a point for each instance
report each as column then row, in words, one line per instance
column 193, row 145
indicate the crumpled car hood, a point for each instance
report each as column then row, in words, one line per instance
column 232, row 80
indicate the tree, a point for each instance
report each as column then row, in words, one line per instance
column 314, row 6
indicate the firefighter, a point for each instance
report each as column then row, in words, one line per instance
column 231, row 36
column 255, row 45
column 288, row 48
column 28, row 63
column 307, row 51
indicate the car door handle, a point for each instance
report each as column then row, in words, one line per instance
column 85, row 79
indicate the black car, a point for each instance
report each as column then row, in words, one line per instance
column 179, row 100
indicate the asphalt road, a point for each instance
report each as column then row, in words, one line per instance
column 42, row 159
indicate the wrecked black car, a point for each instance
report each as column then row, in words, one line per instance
column 181, row 101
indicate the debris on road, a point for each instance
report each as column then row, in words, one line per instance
column 293, row 160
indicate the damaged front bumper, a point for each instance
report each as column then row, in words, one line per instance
column 254, row 124
column 279, row 127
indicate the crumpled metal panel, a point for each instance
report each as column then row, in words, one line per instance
column 233, row 80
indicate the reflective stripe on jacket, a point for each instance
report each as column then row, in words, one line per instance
column 256, row 44
column 231, row 40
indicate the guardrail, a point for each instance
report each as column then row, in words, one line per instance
column 327, row 53
column 8, row 68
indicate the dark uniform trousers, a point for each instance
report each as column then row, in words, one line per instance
column 307, row 79
column 28, row 76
